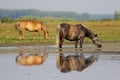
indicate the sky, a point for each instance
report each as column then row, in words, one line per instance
column 79, row 6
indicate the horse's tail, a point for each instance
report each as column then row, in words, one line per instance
column 58, row 35
column 17, row 26
column 59, row 61
column 17, row 59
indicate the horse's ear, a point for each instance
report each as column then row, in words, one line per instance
column 96, row 35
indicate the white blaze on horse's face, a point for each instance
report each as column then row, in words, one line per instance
column 96, row 41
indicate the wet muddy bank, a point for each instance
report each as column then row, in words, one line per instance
column 113, row 47
column 114, row 43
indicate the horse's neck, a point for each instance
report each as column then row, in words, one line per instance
column 89, row 34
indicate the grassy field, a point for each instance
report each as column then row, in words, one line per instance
column 107, row 30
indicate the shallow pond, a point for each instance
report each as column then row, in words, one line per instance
column 107, row 67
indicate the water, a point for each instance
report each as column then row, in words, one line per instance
column 105, row 68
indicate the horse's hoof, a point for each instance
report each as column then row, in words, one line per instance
column 81, row 49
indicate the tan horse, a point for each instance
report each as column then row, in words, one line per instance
column 31, row 59
column 31, row 26
column 73, row 62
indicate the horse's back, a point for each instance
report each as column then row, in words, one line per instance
column 71, row 32
column 38, row 59
column 30, row 59
column 31, row 22
column 30, row 25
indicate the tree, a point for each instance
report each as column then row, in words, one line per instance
column 4, row 20
column 117, row 15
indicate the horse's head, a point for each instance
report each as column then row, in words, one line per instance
column 96, row 41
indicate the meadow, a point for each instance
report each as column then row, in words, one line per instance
column 108, row 31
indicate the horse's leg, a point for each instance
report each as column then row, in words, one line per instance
column 60, row 44
column 81, row 42
column 39, row 35
column 76, row 43
column 34, row 36
column 21, row 35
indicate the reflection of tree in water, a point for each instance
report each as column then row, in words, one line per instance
column 74, row 62
column 31, row 59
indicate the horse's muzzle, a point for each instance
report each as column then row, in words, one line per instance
column 99, row 45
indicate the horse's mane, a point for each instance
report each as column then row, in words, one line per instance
column 84, row 26
column 87, row 31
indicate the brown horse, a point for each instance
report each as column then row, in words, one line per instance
column 31, row 26
column 31, row 59
column 75, row 33
column 73, row 62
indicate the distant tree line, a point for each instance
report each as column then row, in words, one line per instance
column 117, row 15
column 17, row 13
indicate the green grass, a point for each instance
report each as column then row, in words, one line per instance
column 107, row 31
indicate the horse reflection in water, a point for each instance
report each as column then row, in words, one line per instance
column 31, row 59
column 73, row 62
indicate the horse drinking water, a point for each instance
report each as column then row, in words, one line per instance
column 31, row 26
column 75, row 33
